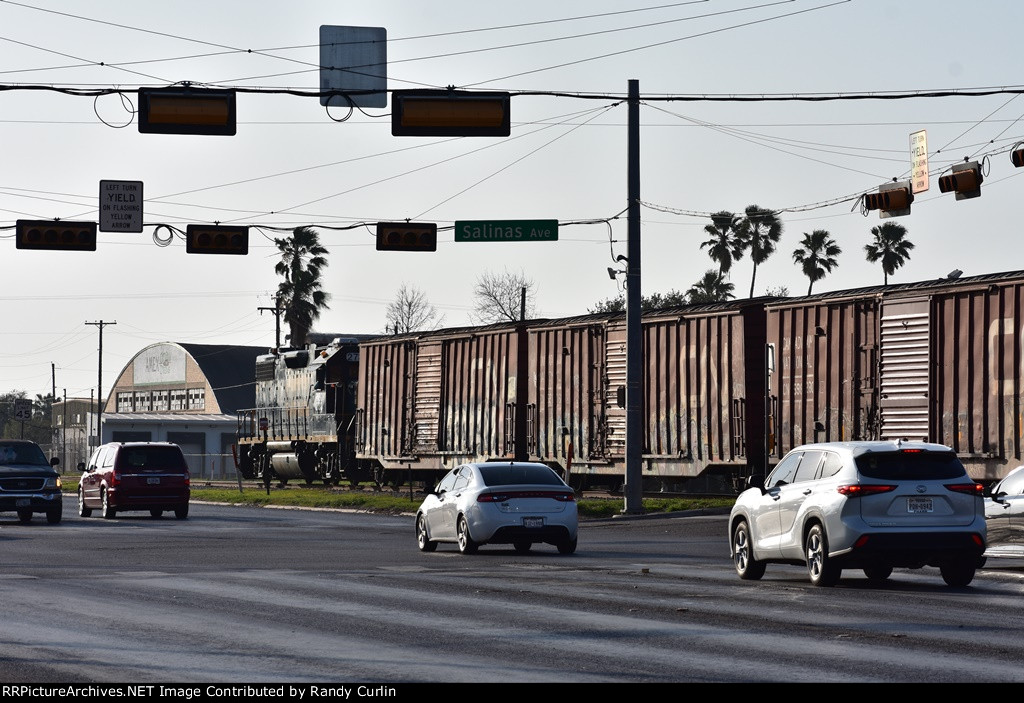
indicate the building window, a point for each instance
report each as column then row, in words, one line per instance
column 161, row 400
column 196, row 398
column 143, row 402
column 124, row 402
column 178, row 399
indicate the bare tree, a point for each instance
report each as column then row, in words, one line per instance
column 499, row 297
column 411, row 311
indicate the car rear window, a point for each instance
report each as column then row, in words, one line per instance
column 150, row 458
column 510, row 475
column 910, row 466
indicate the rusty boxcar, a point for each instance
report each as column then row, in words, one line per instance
column 553, row 391
column 939, row 361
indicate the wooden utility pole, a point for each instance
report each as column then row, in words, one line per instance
column 277, row 310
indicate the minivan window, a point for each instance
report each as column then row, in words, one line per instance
column 150, row 458
column 910, row 466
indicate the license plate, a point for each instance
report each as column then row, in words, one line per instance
column 919, row 505
column 153, row 481
column 22, row 502
column 533, row 522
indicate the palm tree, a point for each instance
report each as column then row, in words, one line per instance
column 300, row 294
column 891, row 247
column 711, row 288
column 726, row 244
column 817, row 255
column 761, row 230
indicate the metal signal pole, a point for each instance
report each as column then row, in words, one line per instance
column 633, row 490
column 99, row 383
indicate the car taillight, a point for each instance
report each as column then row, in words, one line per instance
column 188, row 479
column 561, row 496
column 115, row 477
column 975, row 489
column 854, row 490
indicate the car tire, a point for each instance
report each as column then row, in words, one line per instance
column 821, row 569
column 83, row 510
column 567, row 546
column 423, row 540
column 878, row 572
column 747, row 567
column 466, row 543
column 54, row 515
column 957, row 574
column 156, row 513
column 522, row 546
column 107, row 510
column 25, row 516
column 181, row 512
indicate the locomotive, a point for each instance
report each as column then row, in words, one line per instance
column 727, row 388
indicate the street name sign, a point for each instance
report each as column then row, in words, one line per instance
column 506, row 231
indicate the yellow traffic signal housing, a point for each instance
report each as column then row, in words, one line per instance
column 406, row 236
column 965, row 180
column 450, row 113
column 53, row 234
column 891, row 200
column 210, row 239
column 186, row 111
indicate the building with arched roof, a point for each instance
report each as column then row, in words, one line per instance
column 188, row 394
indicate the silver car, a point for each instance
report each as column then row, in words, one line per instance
column 1004, row 514
column 517, row 503
column 863, row 505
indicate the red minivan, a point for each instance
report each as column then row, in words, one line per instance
column 124, row 476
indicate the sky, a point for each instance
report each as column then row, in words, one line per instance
column 568, row 65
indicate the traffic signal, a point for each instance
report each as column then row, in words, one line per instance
column 210, row 239
column 450, row 113
column 891, row 200
column 186, row 111
column 965, row 180
column 406, row 236
column 1017, row 156
column 53, row 234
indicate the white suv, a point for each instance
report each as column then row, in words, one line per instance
column 861, row 505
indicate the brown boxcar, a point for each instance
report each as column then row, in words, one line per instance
column 937, row 360
column 553, row 391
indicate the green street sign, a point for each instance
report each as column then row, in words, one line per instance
column 506, row 231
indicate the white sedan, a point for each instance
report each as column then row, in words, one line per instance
column 517, row 503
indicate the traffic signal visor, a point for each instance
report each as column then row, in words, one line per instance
column 895, row 199
column 965, row 180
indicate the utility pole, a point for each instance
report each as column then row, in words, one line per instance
column 277, row 310
column 99, row 383
column 64, row 432
column 633, row 491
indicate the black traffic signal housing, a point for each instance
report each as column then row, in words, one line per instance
column 891, row 200
column 187, row 111
column 406, row 236
column 964, row 180
column 450, row 113
column 55, row 235
column 216, row 239
column 1017, row 155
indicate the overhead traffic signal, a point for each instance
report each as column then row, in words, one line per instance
column 891, row 200
column 964, row 180
column 186, row 111
column 406, row 236
column 219, row 239
column 53, row 234
column 1017, row 156
column 450, row 113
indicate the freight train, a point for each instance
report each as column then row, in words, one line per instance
column 727, row 388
